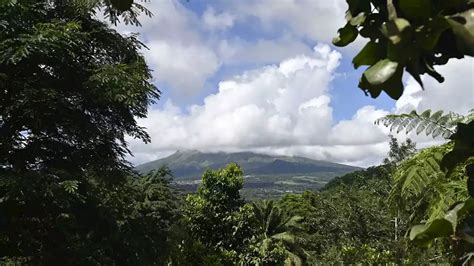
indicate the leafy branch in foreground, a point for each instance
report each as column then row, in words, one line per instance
column 406, row 35
column 420, row 184
column 113, row 10
column 433, row 182
column 431, row 123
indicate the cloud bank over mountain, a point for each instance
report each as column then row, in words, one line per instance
column 252, row 76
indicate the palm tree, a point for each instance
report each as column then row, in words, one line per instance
column 274, row 225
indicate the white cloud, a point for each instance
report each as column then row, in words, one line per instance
column 360, row 129
column 281, row 108
column 317, row 20
column 178, row 52
column 214, row 21
column 185, row 68
column 236, row 51
column 455, row 94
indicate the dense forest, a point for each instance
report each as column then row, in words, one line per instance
column 72, row 88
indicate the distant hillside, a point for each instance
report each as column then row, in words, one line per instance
column 191, row 164
column 266, row 176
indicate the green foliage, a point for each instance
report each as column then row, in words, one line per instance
column 432, row 184
column 431, row 123
column 463, row 149
column 345, row 214
column 114, row 10
column 212, row 213
column 44, row 221
column 365, row 255
column 264, row 252
column 445, row 226
column 272, row 225
column 406, row 35
column 457, row 225
column 421, row 185
column 72, row 88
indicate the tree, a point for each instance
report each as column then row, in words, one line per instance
column 216, row 214
column 273, row 225
column 71, row 90
column 399, row 152
column 114, row 10
column 344, row 215
column 45, row 221
column 406, row 35
column 155, row 209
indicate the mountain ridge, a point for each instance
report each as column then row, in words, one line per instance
column 189, row 164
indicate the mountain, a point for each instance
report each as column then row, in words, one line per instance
column 265, row 175
column 191, row 164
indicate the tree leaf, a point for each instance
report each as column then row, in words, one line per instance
column 415, row 9
column 357, row 6
column 381, row 72
column 369, row 55
column 346, row 35
column 425, row 234
column 463, row 28
column 394, row 30
column 357, row 20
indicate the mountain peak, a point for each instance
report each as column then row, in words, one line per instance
column 192, row 163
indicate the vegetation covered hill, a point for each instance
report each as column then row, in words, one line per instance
column 191, row 163
column 266, row 176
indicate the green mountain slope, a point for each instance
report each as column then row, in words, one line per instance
column 191, row 164
column 266, row 176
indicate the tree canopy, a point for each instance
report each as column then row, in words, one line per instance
column 72, row 88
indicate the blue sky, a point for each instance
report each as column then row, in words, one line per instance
column 264, row 76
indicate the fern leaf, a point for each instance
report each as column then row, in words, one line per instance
column 403, row 124
column 420, row 182
column 437, row 132
column 437, row 115
column 421, row 127
column 426, row 113
column 429, row 129
column 433, row 124
column 443, row 119
column 395, row 124
column 446, row 134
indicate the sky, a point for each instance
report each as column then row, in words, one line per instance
column 263, row 76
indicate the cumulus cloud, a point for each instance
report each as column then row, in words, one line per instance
column 214, row 21
column 235, row 51
column 317, row 20
column 178, row 52
column 185, row 52
column 360, row 129
column 282, row 109
column 185, row 68
column 455, row 94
